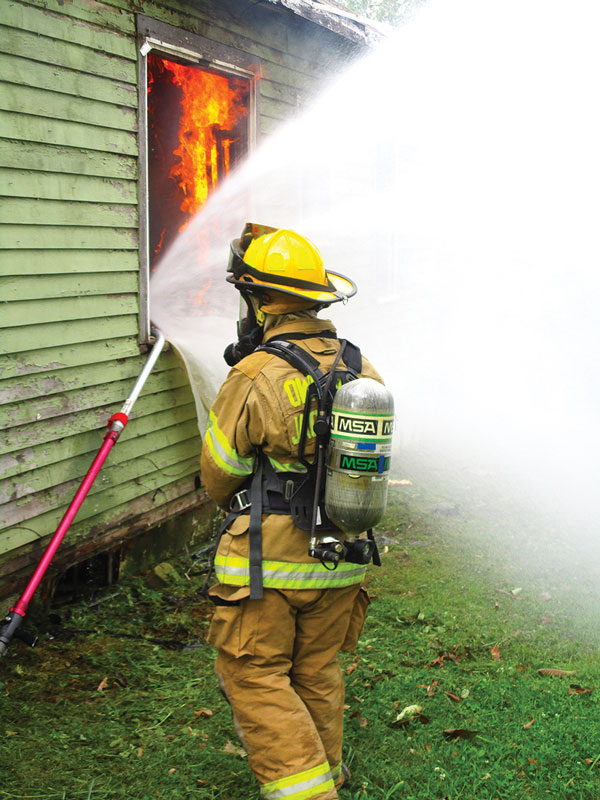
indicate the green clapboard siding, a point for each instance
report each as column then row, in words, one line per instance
column 80, row 162
column 28, row 211
column 68, row 403
column 69, row 260
column 54, row 105
column 139, row 515
column 48, row 237
column 37, row 311
column 105, row 504
column 69, row 424
column 61, row 186
column 167, row 460
column 73, row 56
column 80, row 354
column 57, row 79
column 131, row 463
column 62, row 262
column 34, row 338
column 21, row 287
column 31, row 128
column 57, row 27
column 141, row 448
column 70, row 379
column 54, row 452
column 17, row 287
column 99, row 14
column 276, row 91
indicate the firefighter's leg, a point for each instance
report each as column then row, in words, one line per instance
column 256, row 643
column 324, row 627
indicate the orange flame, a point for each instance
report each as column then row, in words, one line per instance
column 211, row 106
column 160, row 241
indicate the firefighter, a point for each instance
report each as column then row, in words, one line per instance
column 281, row 614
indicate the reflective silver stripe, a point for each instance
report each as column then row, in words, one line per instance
column 229, row 463
column 298, row 575
column 228, row 570
column 224, row 455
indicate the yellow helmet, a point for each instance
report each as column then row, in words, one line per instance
column 266, row 258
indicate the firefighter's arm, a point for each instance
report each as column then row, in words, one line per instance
column 228, row 456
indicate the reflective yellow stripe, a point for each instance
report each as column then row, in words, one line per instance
column 289, row 575
column 336, row 771
column 300, row 786
column 223, row 453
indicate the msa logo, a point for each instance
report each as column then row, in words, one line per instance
column 365, row 464
column 356, row 425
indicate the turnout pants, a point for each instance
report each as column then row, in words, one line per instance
column 277, row 664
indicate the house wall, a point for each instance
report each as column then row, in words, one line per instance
column 70, row 267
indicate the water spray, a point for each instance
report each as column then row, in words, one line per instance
column 11, row 625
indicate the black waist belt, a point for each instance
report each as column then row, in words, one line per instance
column 273, row 502
column 287, row 493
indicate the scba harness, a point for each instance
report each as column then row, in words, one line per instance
column 301, row 494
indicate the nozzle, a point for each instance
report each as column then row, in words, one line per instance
column 10, row 627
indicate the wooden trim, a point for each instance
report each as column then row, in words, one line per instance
column 211, row 53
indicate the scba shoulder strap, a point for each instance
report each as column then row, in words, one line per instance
column 352, row 356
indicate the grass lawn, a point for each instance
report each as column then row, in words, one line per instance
column 444, row 694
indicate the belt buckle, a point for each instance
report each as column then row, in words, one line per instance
column 240, row 501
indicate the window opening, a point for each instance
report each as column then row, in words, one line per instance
column 197, row 122
column 197, row 133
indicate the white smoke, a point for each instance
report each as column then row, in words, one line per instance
column 454, row 175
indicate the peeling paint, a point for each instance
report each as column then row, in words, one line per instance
column 49, row 384
column 23, row 367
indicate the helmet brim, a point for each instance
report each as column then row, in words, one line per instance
column 344, row 288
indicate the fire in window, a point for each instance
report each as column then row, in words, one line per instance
column 197, row 133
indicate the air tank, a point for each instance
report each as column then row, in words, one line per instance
column 358, row 460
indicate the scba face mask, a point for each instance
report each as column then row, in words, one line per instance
column 249, row 329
